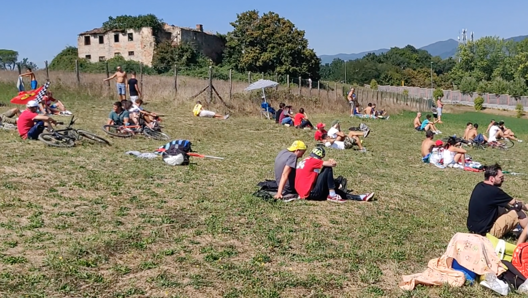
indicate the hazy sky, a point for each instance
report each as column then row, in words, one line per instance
column 40, row 29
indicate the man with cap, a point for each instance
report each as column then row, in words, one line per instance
column 285, row 169
column 320, row 133
column 314, row 179
column 30, row 124
column 338, row 140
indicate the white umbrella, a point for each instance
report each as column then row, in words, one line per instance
column 262, row 84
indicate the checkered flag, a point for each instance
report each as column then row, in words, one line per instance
column 42, row 92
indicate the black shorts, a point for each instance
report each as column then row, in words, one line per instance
column 418, row 128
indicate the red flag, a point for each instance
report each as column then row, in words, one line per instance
column 24, row 96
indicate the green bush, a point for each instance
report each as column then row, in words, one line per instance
column 519, row 109
column 479, row 103
column 406, row 92
column 438, row 93
column 374, row 84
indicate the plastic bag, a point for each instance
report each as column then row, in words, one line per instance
column 493, row 283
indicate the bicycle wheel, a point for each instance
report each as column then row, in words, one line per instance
column 56, row 140
column 91, row 137
column 114, row 130
column 155, row 134
column 505, row 143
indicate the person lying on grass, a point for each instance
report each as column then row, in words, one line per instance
column 198, row 111
column 493, row 211
column 9, row 116
column 454, row 156
column 314, row 180
column 285, row 167
column 380, row 114
column 53, row 106
column 336, row 138
column 30, row 124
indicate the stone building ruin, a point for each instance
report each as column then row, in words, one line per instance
column 100, row 44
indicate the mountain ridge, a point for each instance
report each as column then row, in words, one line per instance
column 444, row 49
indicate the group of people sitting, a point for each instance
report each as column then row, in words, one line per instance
column 448, row 154
column 427, row 125
column 285, row 116
column 335, row 138
column 310, row 179
column 129, row 113
column 369, row 112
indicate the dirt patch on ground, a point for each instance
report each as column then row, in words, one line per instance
column 459, row 109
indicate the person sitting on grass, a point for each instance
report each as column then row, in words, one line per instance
column 454, row 156
column 278, row 113
column 474, row 136
column 320, row 133
column 492, row 122
column 508, row 133
column 428, row 125
column 427, row 146
column 301, row 120
column 30, row 124
column 285, row 167
column 417, row 122
column 380, row 114
column 198, row 111
column 495, row 133
column 9, row 116
column 314, row 180
column 136, row 111
column 469, row 127
column 265, row 106
column 286, row 116
column 51, row 105
column 493, row 211
column 338, row 140
column 118, row 115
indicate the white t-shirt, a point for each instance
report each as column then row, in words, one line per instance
column 336, row 145
column 332, row 132
column 135, row 109
column 435, row 156
column 449, row 157
column 492, row 132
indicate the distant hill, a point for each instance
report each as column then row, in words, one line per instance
column 444, row 49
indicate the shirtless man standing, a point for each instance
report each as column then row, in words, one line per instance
column 121, row 80
column 29, row 73
column 352, row 100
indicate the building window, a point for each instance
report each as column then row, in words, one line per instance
column 130, row 36
column 131, row 53
column 89, row 57
column 101, row 39
column 116, row 54
column 101, row 58
column 116, row 37
column 87, row 40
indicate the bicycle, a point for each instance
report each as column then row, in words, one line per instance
column 68, row 136
column 127, row 131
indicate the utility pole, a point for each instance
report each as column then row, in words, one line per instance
column 432, row 80
column 345, row 71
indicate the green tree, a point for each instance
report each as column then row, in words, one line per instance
column 468, row 85
column 438, row 92
column 65, row 60
column 8, row 59
column 183, row 55
column 499, row 86
column 373, row 84
column 270, row 43
column 134, row 22
column 25, row 63
column 517, row 88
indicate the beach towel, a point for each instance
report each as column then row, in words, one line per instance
column 20, row 84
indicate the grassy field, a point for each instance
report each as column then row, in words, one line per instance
column 91, row 221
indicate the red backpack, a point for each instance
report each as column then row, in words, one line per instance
column 520, row 258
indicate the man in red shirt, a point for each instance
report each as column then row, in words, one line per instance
column 30, row 124
column 320, row 133
column 314, row 180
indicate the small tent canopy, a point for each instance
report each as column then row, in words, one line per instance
column 262, row 84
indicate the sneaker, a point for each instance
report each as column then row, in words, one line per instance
column 226, row 117
column 337, row 199
column 366, row 133
column 366, row 197
column 387, row 118
column 520, row 141
column 363, row 127
column 290, row 198
column 363, row 150
column 438, row 132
